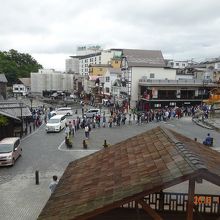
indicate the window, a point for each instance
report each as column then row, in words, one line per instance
column 184, row 64
column 99, row 57
column 15, row 88
column 100, row 69
column 107, row 90
column 116, row 61
column 177, row 64
column 107, row 79
column 152, row 75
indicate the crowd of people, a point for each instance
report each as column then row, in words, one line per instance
column 118, row 118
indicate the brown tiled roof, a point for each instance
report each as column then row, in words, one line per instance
column 144, row 58
column 127, row 171
column 25, row 81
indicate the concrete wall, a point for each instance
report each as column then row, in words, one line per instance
column 51, row 81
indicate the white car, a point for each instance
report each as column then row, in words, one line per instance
column 63, row 111
column 56, row 123
column 92, row 112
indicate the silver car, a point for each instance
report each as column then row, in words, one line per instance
column 92, row 112
column 10, row 150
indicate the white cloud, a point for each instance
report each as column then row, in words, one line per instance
column 51, row 29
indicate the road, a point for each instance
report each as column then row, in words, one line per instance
column 47, row 153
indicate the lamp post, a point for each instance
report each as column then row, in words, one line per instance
column 31, row 100
column 21, row 106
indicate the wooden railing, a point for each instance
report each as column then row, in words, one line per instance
column 177, row 202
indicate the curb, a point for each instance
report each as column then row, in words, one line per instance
column 201, row 124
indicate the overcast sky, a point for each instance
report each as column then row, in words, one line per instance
column 50, row 30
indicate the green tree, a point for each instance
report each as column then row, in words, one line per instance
column 3, row 121
column 17, row 65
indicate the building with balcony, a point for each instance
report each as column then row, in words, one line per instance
column 171, row 93
column 142, row 63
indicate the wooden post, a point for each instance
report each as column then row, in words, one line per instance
column 190, row 204
column 149, row 210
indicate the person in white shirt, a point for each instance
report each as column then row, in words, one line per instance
column 53, row 184
column 87, row 131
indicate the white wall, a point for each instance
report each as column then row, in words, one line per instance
column 44, row 80
column 72, row 65
column 184, row 76
column 139, row 72
column 113, row 77
column 20, row 88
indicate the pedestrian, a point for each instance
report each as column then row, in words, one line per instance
column 103, row 121
column 53, row 184
column 70, row 127
column 87, row 132
column 129, row 119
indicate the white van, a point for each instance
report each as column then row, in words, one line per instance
column 64, row 111
column 10, row 150
column 56, row 123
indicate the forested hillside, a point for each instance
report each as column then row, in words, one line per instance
column 17, row 65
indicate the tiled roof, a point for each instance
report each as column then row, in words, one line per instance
column 3, row 78
column 15, row 109
column 144, row 58
column 129, row 170
column 26, row 81
column 8, row 115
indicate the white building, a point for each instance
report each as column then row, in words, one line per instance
column 49, row 79
column 19, row 89
column 111, row 76
column 22, row 88
column 72, row 65
column 97, row 57
column 178, row 64
column 143, row 63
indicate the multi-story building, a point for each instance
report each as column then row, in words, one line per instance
column 49, row 79
column 72, row 65
column 142, row 63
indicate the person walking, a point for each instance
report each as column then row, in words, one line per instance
column 53, row 184
column 87, row 132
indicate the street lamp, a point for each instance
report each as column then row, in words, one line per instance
column 21, row 106
column 31, row 100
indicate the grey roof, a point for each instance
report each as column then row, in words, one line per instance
column 15, row 108
column 3, row 78
column 144, row 58
column 8, row 115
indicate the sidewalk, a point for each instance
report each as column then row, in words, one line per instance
column 210, row 123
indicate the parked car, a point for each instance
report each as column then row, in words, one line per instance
column 92, row 112
column 10, row 150
column 63, row 111
column 56, row 123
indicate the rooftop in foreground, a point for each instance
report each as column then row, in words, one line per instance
column 128, row 171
